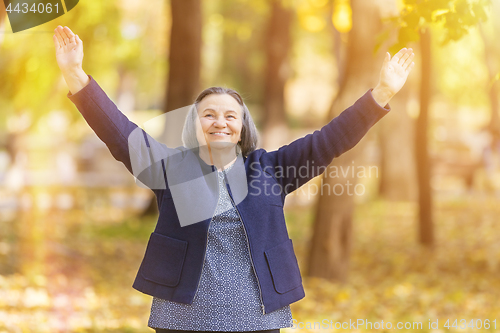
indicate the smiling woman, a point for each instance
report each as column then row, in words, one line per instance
column 218, row 122
column 220, row 258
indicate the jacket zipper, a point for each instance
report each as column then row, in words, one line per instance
column 204, row 255
column 248, row 245
column 205, row 250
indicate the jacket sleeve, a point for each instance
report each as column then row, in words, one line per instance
column 295, row 164
column 142, row 155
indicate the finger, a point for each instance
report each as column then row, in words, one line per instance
column 79, row 42
column 398, row 55
column 59, row 37
column 387, row 58
column 65, row 35
column 409, row 68
column 402, row 60
column 408, row 60
column 68, row 31
column 69, row 34
column 56, row 42
column 405, row 56
column 58, row 29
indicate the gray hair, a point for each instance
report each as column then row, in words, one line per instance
column 249, row 136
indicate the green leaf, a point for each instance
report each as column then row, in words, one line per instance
column 410, row 2
column 412, row 19
column 406, row 35
column 426, row 13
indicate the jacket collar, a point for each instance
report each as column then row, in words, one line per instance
column 194, row 186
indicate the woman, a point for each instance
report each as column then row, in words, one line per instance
column 220, row 258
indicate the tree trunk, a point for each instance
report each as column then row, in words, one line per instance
column 3, row 17
column 2, row 14
column 397, row 153
column 426, row 226
column 184, row 54
column 490, row 52
column 184, row 69
column 332, row 235
column 277, row 46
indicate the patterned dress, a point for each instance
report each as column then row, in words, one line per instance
column 228, row 297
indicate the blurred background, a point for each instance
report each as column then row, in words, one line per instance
column 419, row 238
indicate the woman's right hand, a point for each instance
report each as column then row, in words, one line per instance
column 69, row 55
column 69, row 49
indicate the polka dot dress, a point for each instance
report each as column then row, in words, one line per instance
column 228, row 297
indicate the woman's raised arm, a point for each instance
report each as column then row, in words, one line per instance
column 307, row 157
column 143, row 156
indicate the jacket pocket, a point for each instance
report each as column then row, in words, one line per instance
column 284, row 267
column 163, row 261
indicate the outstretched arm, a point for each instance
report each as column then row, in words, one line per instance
column 315, row 151
column 128, row 143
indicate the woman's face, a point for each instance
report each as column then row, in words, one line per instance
column 221, row 121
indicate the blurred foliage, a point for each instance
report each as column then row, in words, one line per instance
column 392, row 279
column 455, row 17
column 87, row 269
column 122, row 38
column 240, row 45
column 461, row 75
column 112, row 45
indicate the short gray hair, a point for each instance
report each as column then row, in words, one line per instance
column 249, row 134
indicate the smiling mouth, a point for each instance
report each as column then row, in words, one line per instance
column 219, row 133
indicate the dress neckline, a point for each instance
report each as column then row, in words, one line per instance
column 229, row 167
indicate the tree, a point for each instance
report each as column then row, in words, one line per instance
column 184, row 54
column 277, row 46
column 2, row 14
column 426, row 229
column 332, row 235
column 455, row 17
column 491, row 52
column 184, row 68
column 331, row 242
column 397, row 175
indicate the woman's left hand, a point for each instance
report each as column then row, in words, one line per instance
column 393, row 75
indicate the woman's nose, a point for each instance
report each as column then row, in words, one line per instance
column 220, row 122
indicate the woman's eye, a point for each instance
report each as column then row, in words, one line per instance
column 231, row 116
column 208, row 115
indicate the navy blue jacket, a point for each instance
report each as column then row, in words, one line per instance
column 173, row 260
